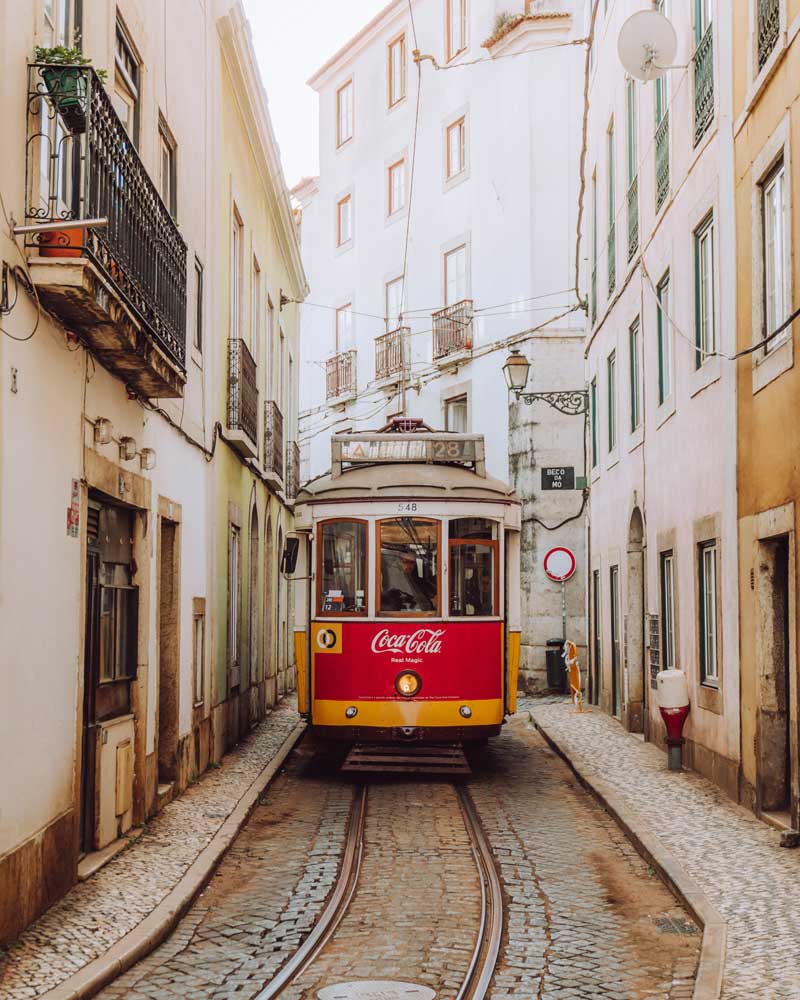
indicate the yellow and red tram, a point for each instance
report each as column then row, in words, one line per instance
column 407, row 590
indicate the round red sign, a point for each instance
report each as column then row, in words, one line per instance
column 559, row 564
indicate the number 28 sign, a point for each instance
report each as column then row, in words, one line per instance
column 559, row 564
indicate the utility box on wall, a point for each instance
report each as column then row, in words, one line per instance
column 114, row 802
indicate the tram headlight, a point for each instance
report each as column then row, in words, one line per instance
column 408, row 683
column 466, row 711
column 351, row 712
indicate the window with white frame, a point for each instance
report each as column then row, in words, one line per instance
column 344, row 220
column 455, row 275
column 393, row 293
column 234, row 590
column 167, row 168
column 198, row 304
column 396, row 187
column 396, row 70
column 773, row 207
column 456, row 148
column 125, row 95
column 709, row 653
column 456, row 27
column 635, row 347
column 667, row 610
column 611, row 391
column 255, row 309
column 198, row 649
column 237, row 244
column 344, row 328
column 665, row 355
column 456, row 414
column 344, row 113
column 706, row 332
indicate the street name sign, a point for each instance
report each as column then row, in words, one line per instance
column 558, row 477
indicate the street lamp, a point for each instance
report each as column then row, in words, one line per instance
column 516, row 371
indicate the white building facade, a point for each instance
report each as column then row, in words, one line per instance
column 660, row 236
column 419, row 289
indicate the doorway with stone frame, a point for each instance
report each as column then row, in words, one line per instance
column 633, row 712
column 167, row 704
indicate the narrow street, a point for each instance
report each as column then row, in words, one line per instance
column 583, row 915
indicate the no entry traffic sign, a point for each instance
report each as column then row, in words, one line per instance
column 559, row 564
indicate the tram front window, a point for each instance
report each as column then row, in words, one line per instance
column 473, row 566
column 409, row 552
column 344, row 568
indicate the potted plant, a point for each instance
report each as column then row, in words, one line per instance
column 66, row 83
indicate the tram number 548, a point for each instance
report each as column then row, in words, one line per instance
column 406, row 508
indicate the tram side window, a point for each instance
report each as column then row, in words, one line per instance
column 409, row 557
column 473, row 566
column 344, row 568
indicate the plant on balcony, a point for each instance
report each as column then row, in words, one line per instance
column 66, row 83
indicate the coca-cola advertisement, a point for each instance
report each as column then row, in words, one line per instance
column 455, row 660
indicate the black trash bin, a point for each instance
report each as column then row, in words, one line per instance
column 556, row 674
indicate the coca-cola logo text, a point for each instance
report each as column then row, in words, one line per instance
column 424, row 640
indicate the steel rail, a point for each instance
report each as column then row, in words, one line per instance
column 487, row 945
column 337, row 905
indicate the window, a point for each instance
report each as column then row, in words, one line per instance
column 611, row 387
column 703, row 16
column 198, row 649
column 705, row 335
column 456, row 152
column 630, row 101
column 344, row 221
column 255, row 310
column 473, row 566
column 709, row 656
column 234, row 589
column 198, row 304
column 397, row 187
column 342, row 570
column 773, row 206
column 594, row 421
column 593, row 293
column 237, row 242
column 393, row 303
column 167, row 172
column 344, row 113
column 455, row 275
column 634, row 343
column 610, row 167
column 456, row 414
column 456, row 27
column 61, row 23
column 118, row 638
column 125, row 96
column 665, row 361
column 396, row 71
column 409, row 566
column 667, row 611
column 344, row 328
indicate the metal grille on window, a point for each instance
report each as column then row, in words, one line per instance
column 703, row 84
column 769, row 26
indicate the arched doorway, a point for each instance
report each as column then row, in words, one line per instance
column 633, row 710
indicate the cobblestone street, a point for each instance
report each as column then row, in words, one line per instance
column 735, row 858
column 583, row 915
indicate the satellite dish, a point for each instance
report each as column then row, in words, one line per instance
column 647, row 44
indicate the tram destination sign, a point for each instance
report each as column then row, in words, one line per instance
column 409, row 449
column 558, row 477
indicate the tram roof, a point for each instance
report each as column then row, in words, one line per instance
column 387, row 480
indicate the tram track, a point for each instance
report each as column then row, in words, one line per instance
column 477, row 979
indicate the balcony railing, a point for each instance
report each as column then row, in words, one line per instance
column 292, row 470
column 769, row 28
column 633, row 218
column 703, row 84
column 662, row 161
column 242, row 390
column 273, row 439
column 340, row 374
column 593, row 302
column 612, row 258
column 452, row 329
column 390, row 353
column 82, row 164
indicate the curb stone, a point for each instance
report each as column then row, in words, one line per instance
column 708, row 980
column 162, row 920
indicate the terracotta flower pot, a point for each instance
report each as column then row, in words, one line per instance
column 61, row 243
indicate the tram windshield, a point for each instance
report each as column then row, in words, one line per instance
column 409, row 552
column 344, row 567
column 473, row 566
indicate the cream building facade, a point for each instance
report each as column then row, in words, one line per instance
column 118, row 444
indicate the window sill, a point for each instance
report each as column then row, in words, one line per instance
column 595, row 474
column 197, row 358
column 762, row 79
column 613, row 459
column 390, row 220
column 768, row 367
column 705, row 375
column 455, row 180
column 342, row 248
column 343, row 145
column 709, row 697
column 397, row 104
column 665, row 411
column 636, row 438
column 454, row 359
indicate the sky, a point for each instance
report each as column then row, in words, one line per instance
column 292, row 39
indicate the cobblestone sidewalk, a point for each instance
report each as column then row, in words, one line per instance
column 734, row 858
column 97, row 913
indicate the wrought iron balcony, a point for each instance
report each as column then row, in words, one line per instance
column 242, row 397
column 662, row 161
column 612, row 259
column 769, row 29
column 273, row 440
column 292, row 470
column 633, row 218
column 704, row 84
column 340, row 375
column 390, row 352
column 593, row 302
column 452, row 329
column 121, row 288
